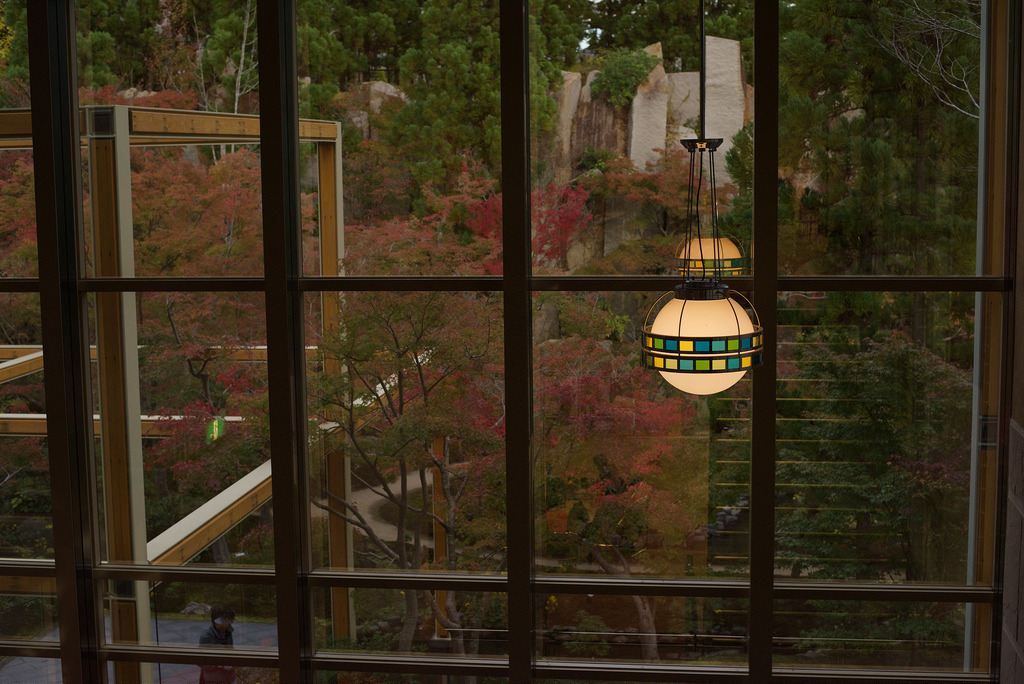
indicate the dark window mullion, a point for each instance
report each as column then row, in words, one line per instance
column 279, row 141
column 57, row 163
column 515, row 174
column 765, row 269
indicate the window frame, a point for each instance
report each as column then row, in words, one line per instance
column 64, row 288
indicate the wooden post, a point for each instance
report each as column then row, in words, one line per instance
column 118, row 374
column 338, row 478
column 440, row 507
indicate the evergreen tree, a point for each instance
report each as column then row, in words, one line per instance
column 452, row 77
column 883, row 170
column 634, row 24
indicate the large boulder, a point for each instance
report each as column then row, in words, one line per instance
column 597, row 125
column 648, row 115
column 568, row 100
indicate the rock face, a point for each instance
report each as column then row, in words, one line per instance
column 726, row 93
column 648, row 115
column 665, row 109
column 568, row 99
column 596, row 124
column 683, row 107
column 376, row 93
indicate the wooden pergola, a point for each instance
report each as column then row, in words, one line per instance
column 109, row 133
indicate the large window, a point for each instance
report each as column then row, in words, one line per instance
column 328, row 313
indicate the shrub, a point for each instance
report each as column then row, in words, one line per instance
column 621, row 72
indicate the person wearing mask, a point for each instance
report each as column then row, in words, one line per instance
column 218, row 634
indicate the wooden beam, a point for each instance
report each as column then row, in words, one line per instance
column 161, row 126
column 16, row 351
column 34, row 424
column 16, row 125
column 189, row 536
column 21, row 366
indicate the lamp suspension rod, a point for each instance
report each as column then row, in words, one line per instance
column 703, row 73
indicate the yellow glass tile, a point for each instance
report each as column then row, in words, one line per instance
column 685, row 345
column 659, row 362
column 746, row 361
column 718, row 364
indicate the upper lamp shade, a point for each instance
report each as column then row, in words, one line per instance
column 702, row 345
column 701, row 257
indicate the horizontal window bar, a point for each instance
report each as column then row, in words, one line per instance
column 189, row 655
column 27, row 568
column 433, row 664
column 29, row 649
column 785, row 676
column 403, row 284
column 884, row 592
column 157, row 573
column 651, row 672
column 785, row 283
column 399, row 580
column 547, row 283
column 228, row 284
column 19, row 285
column 639, row 586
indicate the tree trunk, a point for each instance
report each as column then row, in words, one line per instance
column 412, row 620
column 648, row 632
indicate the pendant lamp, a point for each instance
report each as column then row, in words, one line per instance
column 702, row 341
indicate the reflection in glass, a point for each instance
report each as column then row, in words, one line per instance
column 408, row 467
column 701, row 631
column 631, row 475
column 410, row 620
column 875, row 437
column 28, row 609
column 21, row 670
column 181, row 613
column 183, row 673
column 861, row 635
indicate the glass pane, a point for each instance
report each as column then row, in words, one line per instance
column 20, row 670
column 242, row 616
column 878, row 465
column 408, row 621
column 878, row 140
column 341, row 677
column 179, row 673
column 193, row 204
column 632, row 476
column 871, row 635
column 171, row 56
column 415, row 87
column 182, row 433
column 18, row 254
column 28, row 609
column 26, row 530
column 699, row 631
column 407, row 431
column 612, row 95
